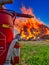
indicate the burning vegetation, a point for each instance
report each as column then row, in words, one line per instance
column 30, row 28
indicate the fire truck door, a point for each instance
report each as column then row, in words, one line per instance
column 2, row 43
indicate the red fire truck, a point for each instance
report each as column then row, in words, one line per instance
column 9, row 46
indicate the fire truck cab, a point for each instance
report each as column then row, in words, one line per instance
column 9, row 47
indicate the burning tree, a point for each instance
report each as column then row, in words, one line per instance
column 30, row 28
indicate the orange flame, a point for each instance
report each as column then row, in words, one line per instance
column 30, row 27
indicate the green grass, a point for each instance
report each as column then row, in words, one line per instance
column 35, row 53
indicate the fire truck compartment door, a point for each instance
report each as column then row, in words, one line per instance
column 2, row 43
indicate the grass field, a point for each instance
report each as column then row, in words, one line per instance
column 34, row 52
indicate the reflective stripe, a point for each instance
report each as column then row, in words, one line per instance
column 6, row 26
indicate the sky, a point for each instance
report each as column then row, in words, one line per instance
column 39, row 7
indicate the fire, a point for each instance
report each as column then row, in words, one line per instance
column 30, row 28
